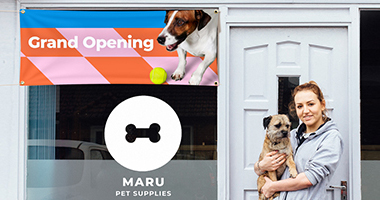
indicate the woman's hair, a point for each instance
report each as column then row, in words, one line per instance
column 312, row 86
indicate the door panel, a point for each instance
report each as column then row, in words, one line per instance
column 258, row 57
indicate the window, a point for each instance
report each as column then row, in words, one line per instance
column 66, row 142
column 370, row 96
column 370, row 84
column 286, row 86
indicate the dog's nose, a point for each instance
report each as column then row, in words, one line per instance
column 161, row 40
column 284, row 133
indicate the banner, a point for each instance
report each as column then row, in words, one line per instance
column 110, row 47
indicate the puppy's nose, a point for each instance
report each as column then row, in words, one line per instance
column 284, row 133
column 161, row 40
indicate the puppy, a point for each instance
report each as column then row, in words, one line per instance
column 193, row 31
column 276, row 139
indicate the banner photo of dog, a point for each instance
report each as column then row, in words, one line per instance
column 119, row 47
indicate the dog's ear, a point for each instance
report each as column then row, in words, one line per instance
column 291, row 117
column 202, row 17
column 166, row 17
column 266, row 121
column 288, row 116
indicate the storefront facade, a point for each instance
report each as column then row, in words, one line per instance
column 264, row 49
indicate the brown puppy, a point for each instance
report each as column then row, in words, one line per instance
column 276, row 139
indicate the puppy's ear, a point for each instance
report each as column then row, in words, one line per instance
column 291, row 117
column 202, row 17
column 166, row 17
column 288, row 116
column 266, row 121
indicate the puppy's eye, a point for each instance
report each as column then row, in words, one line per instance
column 287, row 126
column 277, row 125
column 180, row 22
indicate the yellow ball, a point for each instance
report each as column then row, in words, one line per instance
column 158, row 75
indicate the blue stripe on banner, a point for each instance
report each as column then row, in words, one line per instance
column 91, row 19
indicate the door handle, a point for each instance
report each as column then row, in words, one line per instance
column 338, row 187
column 343, row 189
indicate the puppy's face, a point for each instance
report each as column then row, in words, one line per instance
column 179, row 24
column 278, row 127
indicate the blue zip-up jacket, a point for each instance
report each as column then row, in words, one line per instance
column 317, row 157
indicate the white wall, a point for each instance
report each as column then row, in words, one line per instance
column 9, row 102
column 12, row 110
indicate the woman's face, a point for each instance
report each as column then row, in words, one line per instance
column 309, row 109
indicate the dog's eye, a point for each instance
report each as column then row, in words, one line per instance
column 287, row 126
column 277, row 125
column 180, row 22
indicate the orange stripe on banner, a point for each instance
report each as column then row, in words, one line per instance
column 31, row 75
column 144, row 34
column 122, row 70
column 42, row 47
column 214, row 66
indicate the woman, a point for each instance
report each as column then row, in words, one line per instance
column 317, row 148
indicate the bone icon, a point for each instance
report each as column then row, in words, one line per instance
column 151, row 133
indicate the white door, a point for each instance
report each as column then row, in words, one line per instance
column 258, row 56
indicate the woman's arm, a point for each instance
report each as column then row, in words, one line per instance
column 270, row 162
column 290, row 184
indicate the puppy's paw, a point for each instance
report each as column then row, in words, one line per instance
column 195, row 80
column 177, row 76
column 293, row 173
column 262, row 197
column 276, row 195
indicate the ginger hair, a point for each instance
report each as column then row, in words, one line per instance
column 312, row 86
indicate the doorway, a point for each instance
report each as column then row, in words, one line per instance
column 370, row 96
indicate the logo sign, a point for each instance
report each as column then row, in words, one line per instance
column 143, row 133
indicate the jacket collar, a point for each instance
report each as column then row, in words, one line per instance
column 302, row 128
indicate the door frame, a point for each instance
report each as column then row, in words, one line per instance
column 349, row 20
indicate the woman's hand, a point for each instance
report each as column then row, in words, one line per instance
column 272, row 161
column 266, row 189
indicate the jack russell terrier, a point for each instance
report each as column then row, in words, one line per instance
column 193, row 31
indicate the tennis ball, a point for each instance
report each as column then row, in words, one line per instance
column 158, row 75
